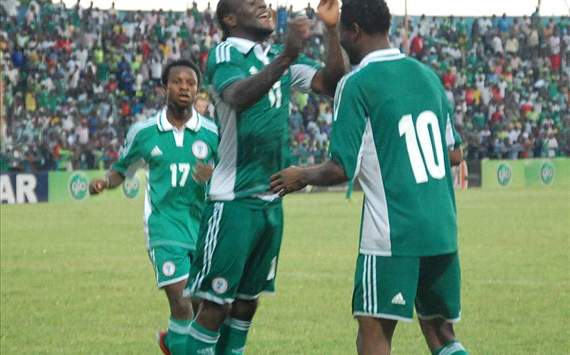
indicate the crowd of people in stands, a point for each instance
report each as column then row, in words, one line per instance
column 76, row 79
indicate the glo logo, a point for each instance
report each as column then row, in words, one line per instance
column 504, row 174
column 131, row 187
column 78, row 186
column 547, row 173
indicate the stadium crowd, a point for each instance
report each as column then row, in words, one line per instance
column 76, row 79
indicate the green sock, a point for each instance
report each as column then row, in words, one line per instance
column 233, row 336
column 451, row 348
column 201, row 340
column 177, row 335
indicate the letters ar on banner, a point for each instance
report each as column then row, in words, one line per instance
column 23, row 188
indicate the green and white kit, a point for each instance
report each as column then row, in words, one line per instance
column 392, row 128
column 174, row 201
column 243, row 224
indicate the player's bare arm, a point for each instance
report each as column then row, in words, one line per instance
column 244, row 93
column 455, row 156
column 295, row 178
column 111, row 180
column 325, row 80
column 202, row 172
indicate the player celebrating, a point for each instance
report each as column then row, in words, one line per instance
column 242, row 227
column 392, row 124
column 178, row 145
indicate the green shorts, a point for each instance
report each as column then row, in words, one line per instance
column 238, row 250
column 389, row 287
column 171, row 264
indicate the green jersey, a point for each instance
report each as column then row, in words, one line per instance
column 173, row 200
column 255, row 141
column 392, row 127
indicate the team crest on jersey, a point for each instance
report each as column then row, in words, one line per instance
column 200, row 149
column 219, row 285
column 168, row 268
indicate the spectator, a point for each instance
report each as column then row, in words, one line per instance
column 77, row 78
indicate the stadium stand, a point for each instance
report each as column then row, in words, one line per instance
column 76, row 79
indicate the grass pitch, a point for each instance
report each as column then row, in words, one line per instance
column 75, row 278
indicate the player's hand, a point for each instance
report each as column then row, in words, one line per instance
column 328, row 11
column 202, row 172
column 298, row 32
column 97, row 186
column 287, row 181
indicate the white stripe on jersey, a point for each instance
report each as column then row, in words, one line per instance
column 364, row 284
column 223, row 52
column 375, row 238
column 223, row 179
column 449, row 136
column 227, row 53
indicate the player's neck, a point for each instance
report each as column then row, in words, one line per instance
column 247, row 35
column 178, row 116
column 373, row 44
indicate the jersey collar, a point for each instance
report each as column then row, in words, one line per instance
column 241, row 44
column 382, row 55
column 194, row 123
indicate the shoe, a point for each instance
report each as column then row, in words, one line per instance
column 161, row 337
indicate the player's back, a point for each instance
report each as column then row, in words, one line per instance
column 404, row 168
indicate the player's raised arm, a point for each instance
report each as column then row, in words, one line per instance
column 246, row 92
column 325, row 80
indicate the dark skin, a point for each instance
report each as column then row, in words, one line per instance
column 374, row 334
column 251, row 20
column 455, row 156
column 181, row 90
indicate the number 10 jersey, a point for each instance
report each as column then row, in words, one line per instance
column 392, row 127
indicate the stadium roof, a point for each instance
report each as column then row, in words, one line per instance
column 415, row 7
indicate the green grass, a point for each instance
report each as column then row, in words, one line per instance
column 75, row 278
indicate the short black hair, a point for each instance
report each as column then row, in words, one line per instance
column 224, row 8
column 180, row 63
column 373, row 16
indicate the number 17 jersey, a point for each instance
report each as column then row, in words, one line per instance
column 392, row 127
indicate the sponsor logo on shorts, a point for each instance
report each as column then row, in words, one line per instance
column 200, row 149
column 504, row 174
column 131, row 187
column 399, row 299
column 78, row 186
column 168, row 268
column 207, row 351
column 547, row 173
column 219, row 285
